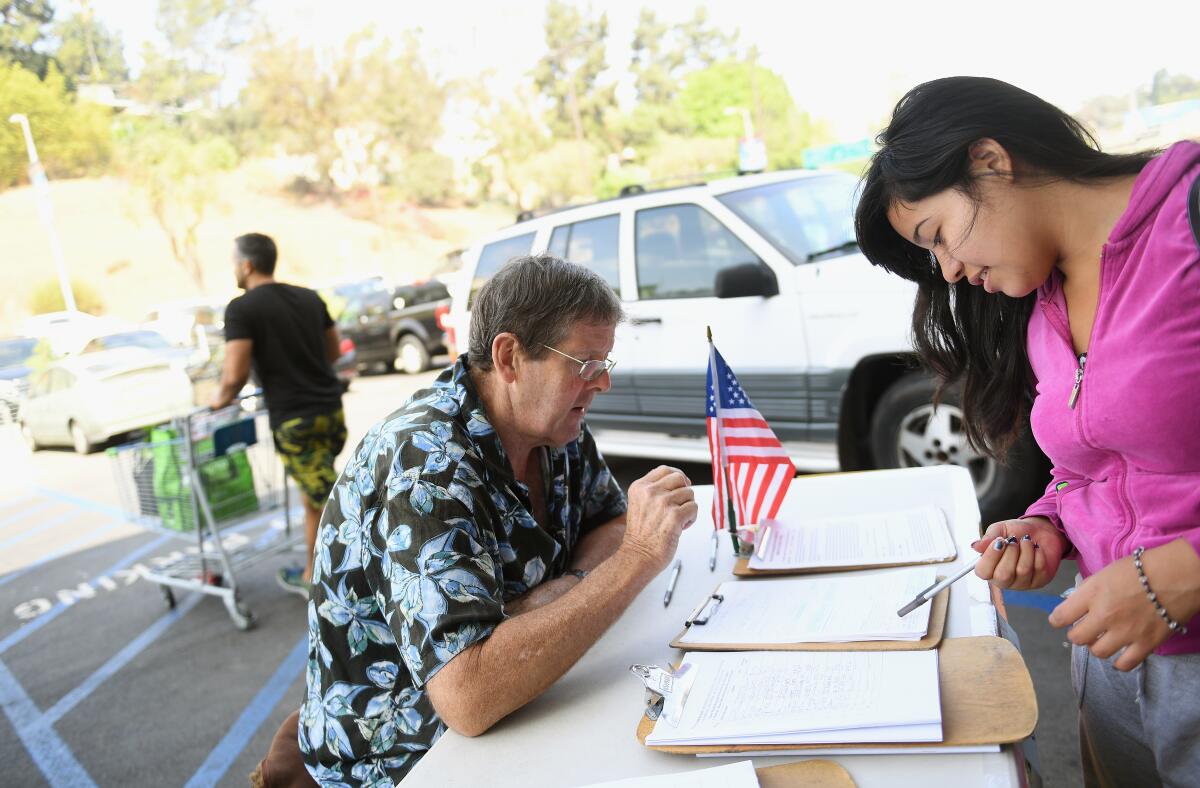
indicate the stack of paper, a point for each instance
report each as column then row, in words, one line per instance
column 838, row 608
column 807, row 697
column 912, row 536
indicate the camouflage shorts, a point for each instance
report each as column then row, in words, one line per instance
column 307, row 446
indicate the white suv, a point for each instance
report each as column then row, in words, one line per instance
column 818, row 337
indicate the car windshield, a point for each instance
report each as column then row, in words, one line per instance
column 807, row 218
column 15, row 352
column 151, row 340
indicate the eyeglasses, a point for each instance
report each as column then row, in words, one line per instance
column 588, row 370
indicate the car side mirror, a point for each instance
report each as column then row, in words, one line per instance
column 747, row 279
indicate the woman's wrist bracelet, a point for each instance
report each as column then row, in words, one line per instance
column 1172, row 624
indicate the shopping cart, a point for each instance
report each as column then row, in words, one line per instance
column 206, row 478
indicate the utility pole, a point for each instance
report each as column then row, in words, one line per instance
column 41, row 193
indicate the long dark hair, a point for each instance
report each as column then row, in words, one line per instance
column 961, row 332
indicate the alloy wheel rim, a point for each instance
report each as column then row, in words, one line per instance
column 930, row 436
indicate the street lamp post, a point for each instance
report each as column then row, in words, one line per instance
column 41, row 193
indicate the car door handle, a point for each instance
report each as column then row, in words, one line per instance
column 641, row 321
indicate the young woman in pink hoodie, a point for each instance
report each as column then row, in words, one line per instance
column 1053, row 276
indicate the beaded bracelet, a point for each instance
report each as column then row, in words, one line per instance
column 1172, row 624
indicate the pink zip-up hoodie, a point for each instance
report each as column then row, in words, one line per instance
column 1127, row 454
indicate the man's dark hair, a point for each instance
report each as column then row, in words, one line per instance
column 260, row 250
column 538, row 298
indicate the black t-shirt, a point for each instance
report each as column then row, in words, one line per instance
column 287, row 326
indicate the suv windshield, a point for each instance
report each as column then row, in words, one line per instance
column 807, row 218
column 150, row 340
column 15, row 352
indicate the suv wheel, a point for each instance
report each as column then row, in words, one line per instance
column 906, row 432
column 411, row 355
column 30, row 440
column 79, row 439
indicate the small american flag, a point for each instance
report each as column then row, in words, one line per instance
column 744, row 447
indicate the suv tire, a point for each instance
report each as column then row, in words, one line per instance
column 79, row 439
column 906, row 432
column 411, row 355
column 28, row 437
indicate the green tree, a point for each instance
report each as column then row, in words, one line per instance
column 1167, row 87
column 784, row 128
column 368, row 111
column 568, row 75
column 179, row 178
column 88, row 51
column 72, row 139
column 199, row 38
column 23, row 33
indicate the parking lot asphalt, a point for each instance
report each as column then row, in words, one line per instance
column 102, row 684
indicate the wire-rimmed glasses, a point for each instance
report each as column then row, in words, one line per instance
column 588, row 370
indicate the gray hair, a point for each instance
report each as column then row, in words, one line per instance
column 537, row 298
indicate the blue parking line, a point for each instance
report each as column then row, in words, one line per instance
column 56, row 611
column 1039, row 601
column 83, row 503
column 60, row 552
column 53, row 758
column 251, row 719
column 44, row 526
column 34, row 509
column 120, row 660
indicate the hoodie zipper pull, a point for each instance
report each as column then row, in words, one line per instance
column 1078, row 382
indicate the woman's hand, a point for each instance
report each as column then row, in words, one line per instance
column 1029, row 562
column 1110, row 610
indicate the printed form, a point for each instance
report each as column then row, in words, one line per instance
column 805, row 697
column 911, row 536
column 835, row 608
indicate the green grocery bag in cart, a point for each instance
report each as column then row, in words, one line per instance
column 227, row 481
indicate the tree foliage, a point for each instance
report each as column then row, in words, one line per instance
column 23, row 33
column 88, row 51
column 71, row 138
column 46, row 296
column 569, row 75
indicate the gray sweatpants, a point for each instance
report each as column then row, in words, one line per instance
column 1142, row 728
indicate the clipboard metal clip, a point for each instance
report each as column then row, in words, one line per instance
column 707, row 608
column 666, row 690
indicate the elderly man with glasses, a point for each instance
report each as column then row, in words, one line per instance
column 476, row 544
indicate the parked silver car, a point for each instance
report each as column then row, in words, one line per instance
column 87, row 399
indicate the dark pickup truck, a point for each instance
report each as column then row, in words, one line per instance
column 396, row 328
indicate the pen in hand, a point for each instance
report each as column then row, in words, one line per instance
column 935, row 589
column 675, row 569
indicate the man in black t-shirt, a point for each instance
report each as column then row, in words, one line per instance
column 286, row 332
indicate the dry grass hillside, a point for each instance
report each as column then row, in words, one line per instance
column 112, row 243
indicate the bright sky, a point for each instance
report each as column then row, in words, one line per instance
column 844, row 62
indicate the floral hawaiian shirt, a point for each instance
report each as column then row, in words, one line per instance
column 426, row 536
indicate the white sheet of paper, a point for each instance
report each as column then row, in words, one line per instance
column 833, row 608
column 909, row 536
column 742, row 696
column 732, row 775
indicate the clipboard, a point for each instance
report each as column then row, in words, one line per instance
column 741, row 567
column 987, row 698
column 939, row 606
column 805, row 774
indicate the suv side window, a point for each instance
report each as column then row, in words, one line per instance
column 494, row 255
column 591, row 243
column 680, row 249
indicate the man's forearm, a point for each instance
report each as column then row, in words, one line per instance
column 529, row 652
column 598, row 544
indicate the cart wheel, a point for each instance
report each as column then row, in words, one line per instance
column 168, row 597
column 243, row 619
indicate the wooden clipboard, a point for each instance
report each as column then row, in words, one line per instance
column 939, row 606
column 805, row 774
column 741, row 567
column 986, row 692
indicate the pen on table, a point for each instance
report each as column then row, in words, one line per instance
column 675, row 567
column 929, row 593
column 712, row 552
